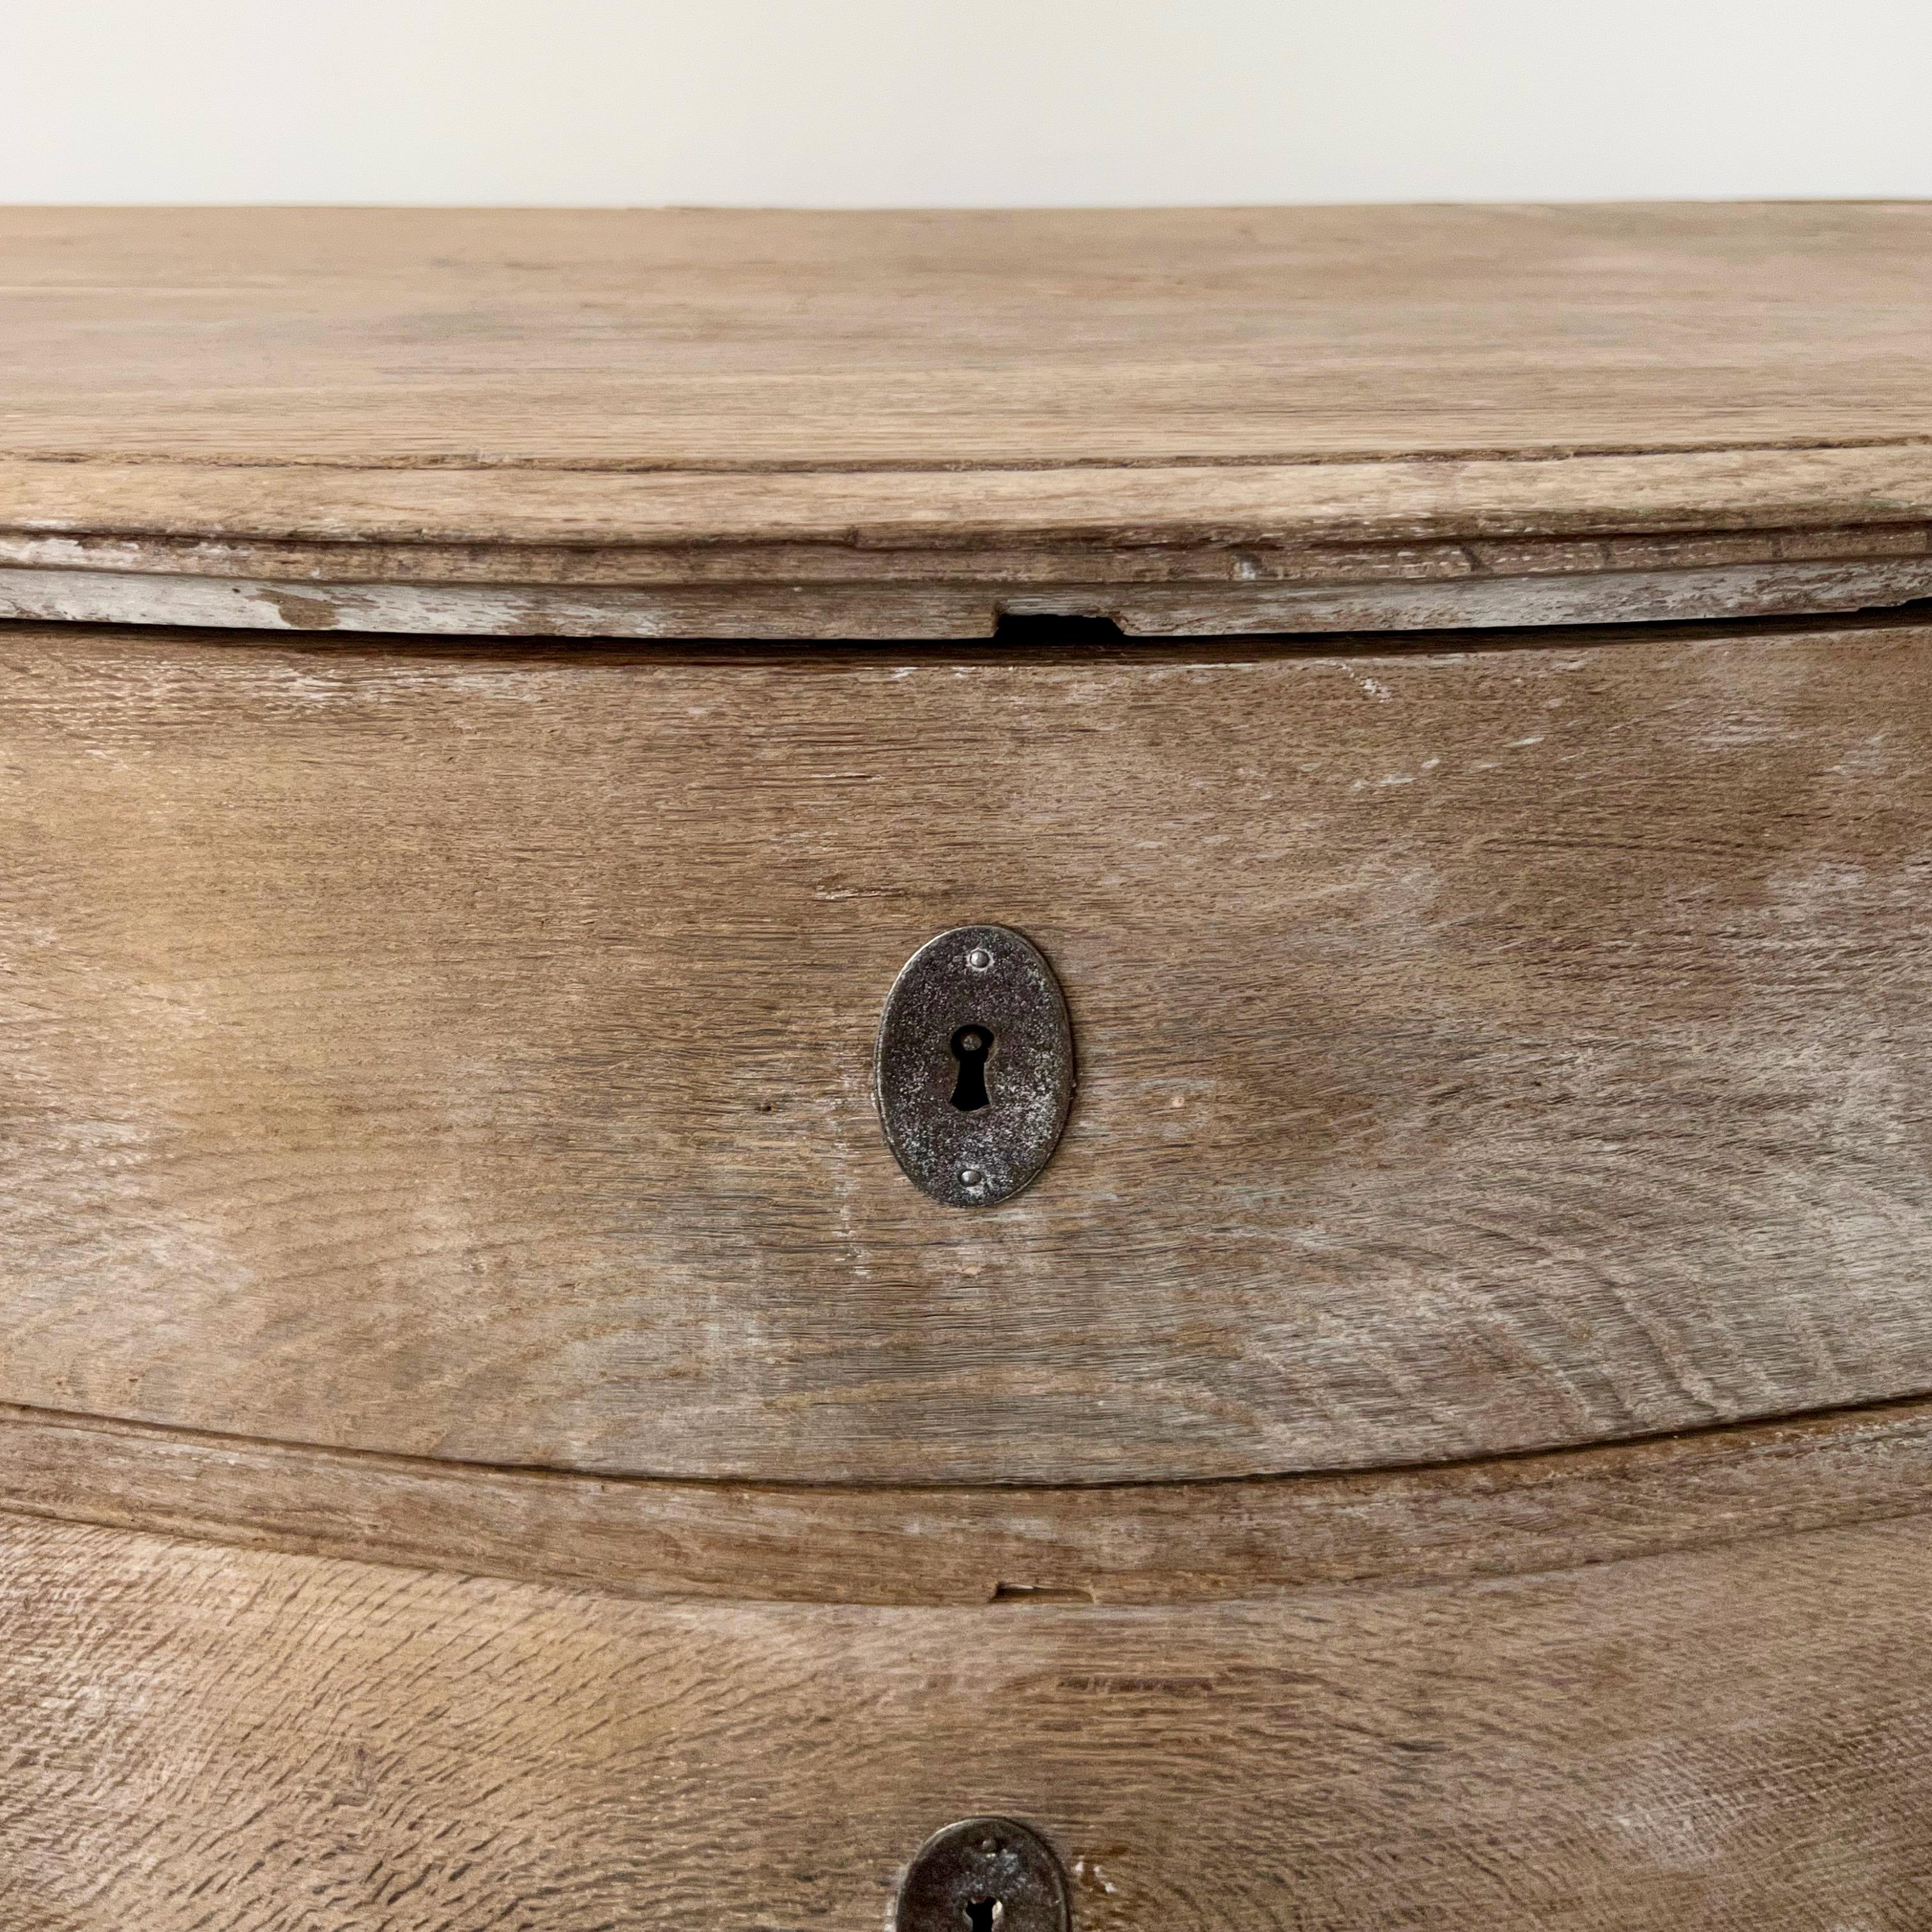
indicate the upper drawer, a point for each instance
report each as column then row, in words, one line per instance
column 466, row 1051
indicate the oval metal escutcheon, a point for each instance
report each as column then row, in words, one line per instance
column 974, row 1068
column 984, row 1875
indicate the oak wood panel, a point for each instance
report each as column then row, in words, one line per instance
column 982, row 399
column 1146, row 1543
column 203, row 1740
column 466, row 1053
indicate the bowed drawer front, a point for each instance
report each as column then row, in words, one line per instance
column 472, row 1057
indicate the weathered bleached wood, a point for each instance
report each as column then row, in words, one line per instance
column 204, row 1740
column 1157, row 1542
column 850, row 612
column 466, row 1053
column 726, row 399
column 1313, row 564
column 901, row 611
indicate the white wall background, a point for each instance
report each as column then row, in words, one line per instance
column 858, row 103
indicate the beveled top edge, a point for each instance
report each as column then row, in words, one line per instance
column 1094, row 509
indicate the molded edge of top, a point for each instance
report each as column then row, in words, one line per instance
column 1167, row 550
column 1405, row 498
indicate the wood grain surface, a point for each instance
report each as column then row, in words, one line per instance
column 1088, row 404
column 465, row 1053
column 737, row 339
column 201, row 1740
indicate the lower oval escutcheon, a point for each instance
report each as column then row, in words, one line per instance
column 984, row 1875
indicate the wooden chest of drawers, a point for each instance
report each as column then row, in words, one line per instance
column 489, row 1435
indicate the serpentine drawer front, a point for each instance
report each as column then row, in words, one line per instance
column 685, row 1242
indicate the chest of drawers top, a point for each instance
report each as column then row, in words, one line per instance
column 680, row 423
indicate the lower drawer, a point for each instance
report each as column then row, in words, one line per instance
column 201, row 1738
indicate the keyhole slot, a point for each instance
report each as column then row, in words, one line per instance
column 970, row 1046
column 983, row 1914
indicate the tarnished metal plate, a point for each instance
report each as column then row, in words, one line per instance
column 984, row 1875
column 974, row 1070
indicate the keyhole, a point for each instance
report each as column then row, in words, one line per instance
column 983, row 1914
column 970, row 1046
